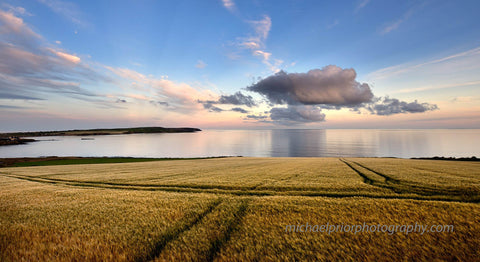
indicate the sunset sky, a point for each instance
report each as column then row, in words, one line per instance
column 246, row 64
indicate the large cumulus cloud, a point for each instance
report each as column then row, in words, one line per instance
column 330, row 85
column 331, row 88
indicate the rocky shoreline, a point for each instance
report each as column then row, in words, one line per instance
column 14, row 140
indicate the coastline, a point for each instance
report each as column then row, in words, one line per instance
column 17, row 138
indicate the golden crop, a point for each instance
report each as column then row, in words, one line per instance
column 236, row 209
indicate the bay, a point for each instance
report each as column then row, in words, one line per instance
column 262, row 143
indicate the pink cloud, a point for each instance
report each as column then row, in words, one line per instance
column 15, row 25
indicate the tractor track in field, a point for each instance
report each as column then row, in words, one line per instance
column 404, row 187
column 260, row 193
column 174, row 232
column 232, row 227
column 388, row 179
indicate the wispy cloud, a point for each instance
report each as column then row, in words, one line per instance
column 332, row 25
column 256, row 43
column 435, row 87
column 29, row 67
column 173, row 96
column 472, row 54
column 262, row 27
column 200, row 64
column 14, row 26
column 11, row 107
column 361, row 5
column 263, row 54
column 389, row 27
column 67, row 10
column 465, row 99
column 257, row 40
column 17, row 10
column 67, row 57
column 229, row 5
column 33, row 69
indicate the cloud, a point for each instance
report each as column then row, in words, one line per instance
column 387, row 29
column 11, row 107
column 229, row 5
column 31, row 72
column 17, row 10
column 178, row 97
column 250, row 44
column 67, row 10
column 330, row 85
column 434, row 87
column 457, row 60
column 128, row 74
column 239, row 109
column 464, row 99
column 395, row 24
column 237, row 99
column 329, row 88
column 212, row 108
column 11, row 95
column 257, row 40
column 263, row 54
column 389, row 106
column 361, row 5
column 33, row 69
column 255, row 43
column 256, row 117
column 200, row 64
column 262, row 27
column 297, row 114
column 332, row 25
column 159, row 103
column 12, row 25
column 30, row 69
column 68, row 57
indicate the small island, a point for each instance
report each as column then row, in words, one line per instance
column 17, row 138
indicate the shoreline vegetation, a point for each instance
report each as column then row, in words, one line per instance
column 72, row 160
column 17, row 138
column 473, row 158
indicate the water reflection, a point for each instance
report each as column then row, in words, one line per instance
column 298, row 143
column 349, row 143
column 263, row 143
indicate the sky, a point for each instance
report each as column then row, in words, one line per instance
column 230, row 64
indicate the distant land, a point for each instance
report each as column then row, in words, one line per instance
column 16, row 138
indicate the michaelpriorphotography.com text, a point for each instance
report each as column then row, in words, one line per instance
column 369, row 228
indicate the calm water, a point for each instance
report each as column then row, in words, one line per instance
column 262, row 143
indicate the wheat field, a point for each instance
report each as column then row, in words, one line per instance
column 236, row 209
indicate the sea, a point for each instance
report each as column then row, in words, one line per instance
column 401, row 143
